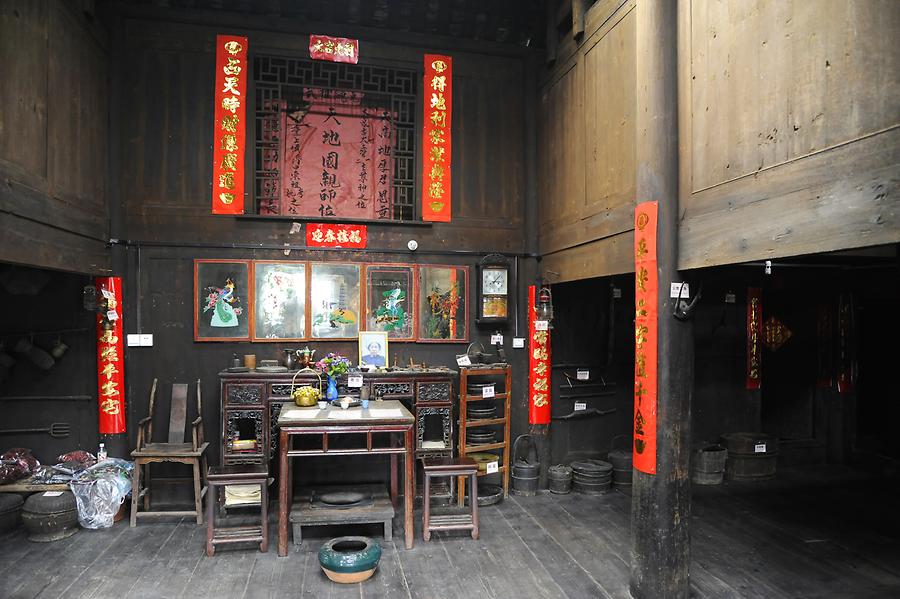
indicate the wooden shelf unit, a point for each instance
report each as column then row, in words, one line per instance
column 478, row 373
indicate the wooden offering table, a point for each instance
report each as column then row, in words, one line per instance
column 381, row 417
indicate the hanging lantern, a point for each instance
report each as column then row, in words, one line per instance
column 545, row 306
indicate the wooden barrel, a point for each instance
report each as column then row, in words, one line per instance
column 621, row 459
column 559, row 478
column 751, row 456
column 708, row 466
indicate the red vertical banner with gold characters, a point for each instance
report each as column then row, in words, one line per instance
column 110, row 356
column 229, row 129
column 539, row 365
column 754, row 337
column 436, row 148
column 646, row 292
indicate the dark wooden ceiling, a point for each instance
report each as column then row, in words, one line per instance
column 518, row 22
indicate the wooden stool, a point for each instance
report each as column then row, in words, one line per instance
column 239, row 474
column 450, row 521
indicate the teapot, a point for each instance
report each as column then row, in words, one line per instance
column 306, row 395
column 289, row 360
column 305, row 356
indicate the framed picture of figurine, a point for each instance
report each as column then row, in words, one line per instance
column 279, row 301
column 334, row 300
column 443, row 303
column 390, row 300
column 222, row 300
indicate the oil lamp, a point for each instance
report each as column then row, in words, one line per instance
column 545, row 306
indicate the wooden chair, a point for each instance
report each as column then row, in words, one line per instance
column 174, row 450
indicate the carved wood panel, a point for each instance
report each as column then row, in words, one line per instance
column 244, row 394
column 432, row 392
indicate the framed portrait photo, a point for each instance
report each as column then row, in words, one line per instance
column 390, row 300
column 373, row 348
column 222, row 300
column 443, row 299
column 279, row 306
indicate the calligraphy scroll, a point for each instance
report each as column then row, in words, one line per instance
column 539, row 366
column 845, row 344
column 229, row 128
column 110, row 357
column 336, row 157
column 336, row 236
column 646, row 292
column 824, row 347
column 754, row 337
column 436, row 147
column 334, row 49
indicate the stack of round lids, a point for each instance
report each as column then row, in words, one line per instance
column 591, row 476
column 478, row 388
column 480, row 436
column 481, row 411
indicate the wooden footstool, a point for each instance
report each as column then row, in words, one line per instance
column 239, row 474
column 452, row 520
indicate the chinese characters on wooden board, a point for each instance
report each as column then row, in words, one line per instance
column 229, row 127
column 754, row 337
column 110, row 357
column 646, row 290
column 335, row 157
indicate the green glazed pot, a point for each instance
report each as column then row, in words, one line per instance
column 349, row 559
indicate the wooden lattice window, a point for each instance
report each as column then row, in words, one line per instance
column 334, row 140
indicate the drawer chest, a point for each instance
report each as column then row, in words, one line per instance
column 251, row 402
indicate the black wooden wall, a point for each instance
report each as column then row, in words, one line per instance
column 162, row 111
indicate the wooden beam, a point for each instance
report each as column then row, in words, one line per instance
column 660, row 507
column 579, row 7
column 436, row 42
column 552, row 33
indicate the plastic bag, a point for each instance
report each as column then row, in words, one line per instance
column 16, row 464
column 100, row 490
column 80, row 456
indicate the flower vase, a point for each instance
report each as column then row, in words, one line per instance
column 331, row 393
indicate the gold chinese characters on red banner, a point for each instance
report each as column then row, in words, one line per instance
column 336, row 236
column 539, row 365
column 229, row 129
column 436, row 146
column 646, row 292
column 110, row 358
column 334, row 49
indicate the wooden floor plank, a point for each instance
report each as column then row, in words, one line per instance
column 518, row 571
column 811, row 533
column 551, row 552
column 167, row 574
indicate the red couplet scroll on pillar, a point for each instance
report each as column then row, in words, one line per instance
column 539, row 365
column 110, row 356
column 646, row 292
column 436, row 146
column 229, row 128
